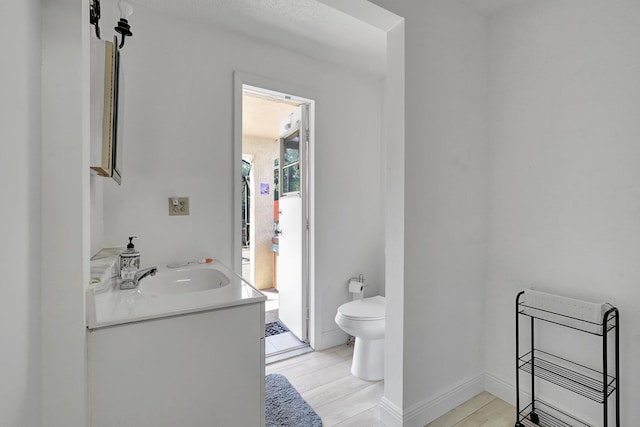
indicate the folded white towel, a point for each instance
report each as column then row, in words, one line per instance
column 566, row 311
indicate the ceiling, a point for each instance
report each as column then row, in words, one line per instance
column 262, row 115
column 308, row 27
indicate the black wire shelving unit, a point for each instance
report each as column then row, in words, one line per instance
column 598, row 385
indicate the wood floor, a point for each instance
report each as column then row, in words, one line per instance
column 484, row 410
column 324, row 380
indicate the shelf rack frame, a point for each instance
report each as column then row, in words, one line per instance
column 596, row 385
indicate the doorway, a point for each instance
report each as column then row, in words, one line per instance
column 276, row 133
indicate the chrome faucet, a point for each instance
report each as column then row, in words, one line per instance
column 151, row 271
column 141, row 274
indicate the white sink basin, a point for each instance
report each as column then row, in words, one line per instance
column 171, row 282
column 171, row 292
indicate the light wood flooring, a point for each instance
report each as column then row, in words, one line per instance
column 324, row 380
column 484, row 410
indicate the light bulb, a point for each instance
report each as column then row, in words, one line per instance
column 123, row 27
column 125, row 9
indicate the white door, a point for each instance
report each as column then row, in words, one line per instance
column 292, row 286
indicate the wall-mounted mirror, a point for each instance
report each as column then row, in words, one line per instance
column 106, row 109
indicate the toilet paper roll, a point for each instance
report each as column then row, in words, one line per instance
column 355, row 286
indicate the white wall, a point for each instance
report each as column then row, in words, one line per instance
column 565, row 199
column 263, row 150
column 446, row 191
column 393, row 134
column 65, row 211
column 178, row 141
column 20, row 403
column 96, row 200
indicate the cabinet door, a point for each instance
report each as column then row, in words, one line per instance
column 204, row 369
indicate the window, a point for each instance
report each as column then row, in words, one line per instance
column 291, row 163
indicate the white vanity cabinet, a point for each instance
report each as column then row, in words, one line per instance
column 199, row 369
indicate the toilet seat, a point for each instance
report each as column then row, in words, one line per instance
column 366, row 309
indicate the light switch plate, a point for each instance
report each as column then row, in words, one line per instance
column 180, row 208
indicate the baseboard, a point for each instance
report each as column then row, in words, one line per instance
column 330, row 339
column 390, row 414
column 500, row 388
column 424, row 412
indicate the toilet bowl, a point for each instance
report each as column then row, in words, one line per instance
column 364, row 319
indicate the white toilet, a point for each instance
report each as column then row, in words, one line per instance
column 364, row 319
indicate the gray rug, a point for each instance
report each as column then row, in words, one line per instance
column 284, row 407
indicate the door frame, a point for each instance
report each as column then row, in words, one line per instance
column 276, row 89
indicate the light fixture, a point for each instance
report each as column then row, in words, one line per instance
column 94, row 15
column 123, row 28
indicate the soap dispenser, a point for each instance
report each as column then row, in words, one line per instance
column 129, row 265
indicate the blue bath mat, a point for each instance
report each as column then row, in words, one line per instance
column 284, row 407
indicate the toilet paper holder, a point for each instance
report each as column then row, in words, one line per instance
column 356, row 285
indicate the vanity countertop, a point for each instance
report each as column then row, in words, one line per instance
column 107, row 305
